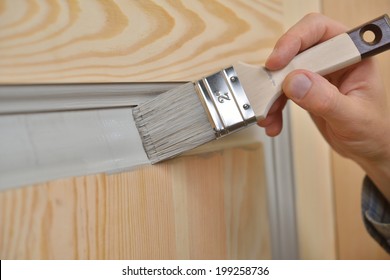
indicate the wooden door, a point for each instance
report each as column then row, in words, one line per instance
column 208, row 204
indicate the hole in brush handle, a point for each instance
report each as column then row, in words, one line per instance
column 371, row 34
column 372, row 37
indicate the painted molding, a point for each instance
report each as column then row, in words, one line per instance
column 33, row 98
column 36, row 148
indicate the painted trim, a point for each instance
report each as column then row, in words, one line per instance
column 36, row 148
column 281, row 193
column 20, row 99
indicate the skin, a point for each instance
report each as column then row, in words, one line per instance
column 349, row 107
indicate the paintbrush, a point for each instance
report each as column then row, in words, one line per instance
column 224, row 102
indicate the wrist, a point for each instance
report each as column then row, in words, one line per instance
column 379, row 173
column 381, row 178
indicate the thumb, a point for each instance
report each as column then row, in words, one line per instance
column 315, row 94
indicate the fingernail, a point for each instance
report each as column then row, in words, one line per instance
column 299, row 85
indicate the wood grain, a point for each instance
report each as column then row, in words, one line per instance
column 108, row 41
column 174, row 210
column 353, row 241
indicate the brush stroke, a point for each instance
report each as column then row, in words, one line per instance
column 37, row 148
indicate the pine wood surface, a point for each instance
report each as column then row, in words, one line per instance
column 116, row 41
column 353, row 241
column 175, row 210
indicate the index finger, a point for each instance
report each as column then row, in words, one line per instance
column 312, row 29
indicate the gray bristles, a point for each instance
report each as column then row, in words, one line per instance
column 172, row 123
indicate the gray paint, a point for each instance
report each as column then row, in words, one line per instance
column 40, row 147
column 17, row 99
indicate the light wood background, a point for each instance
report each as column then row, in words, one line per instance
column 353, row 241
column 116, row 41
column 211, row 205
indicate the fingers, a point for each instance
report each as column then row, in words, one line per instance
column 273, row 123
column 310, row 30
column 316, row 95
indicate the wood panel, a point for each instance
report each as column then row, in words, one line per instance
column 353, row 241
column 170, row 211
column 116, row 41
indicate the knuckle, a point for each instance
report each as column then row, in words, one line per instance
column 313, row 15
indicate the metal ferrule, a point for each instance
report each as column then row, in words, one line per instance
column 225, row 102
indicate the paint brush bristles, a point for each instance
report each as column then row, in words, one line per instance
column 172, row 123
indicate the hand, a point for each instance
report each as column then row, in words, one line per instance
column 349, row 107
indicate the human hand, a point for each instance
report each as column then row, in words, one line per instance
column 349, row 107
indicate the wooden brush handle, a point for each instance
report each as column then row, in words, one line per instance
column 263, row 87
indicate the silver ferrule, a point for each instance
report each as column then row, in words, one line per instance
column 225, row 102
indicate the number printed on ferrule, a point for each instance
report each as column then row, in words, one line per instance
column 223, row 100
column 222, row 96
